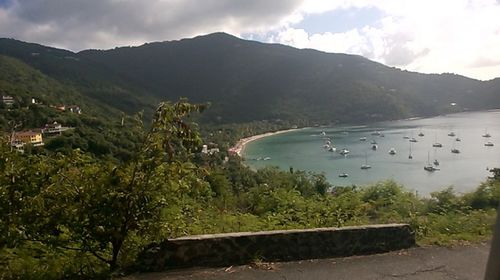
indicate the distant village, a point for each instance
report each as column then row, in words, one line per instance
column 35, row 136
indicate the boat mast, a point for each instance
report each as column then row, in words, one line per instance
column 410, row 156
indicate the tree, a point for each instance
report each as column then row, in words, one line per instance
column 94, row 206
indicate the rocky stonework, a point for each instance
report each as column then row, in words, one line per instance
column 282, row 245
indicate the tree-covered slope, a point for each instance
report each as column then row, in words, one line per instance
column 248, row 81
column 94, row 81
column 98, row 129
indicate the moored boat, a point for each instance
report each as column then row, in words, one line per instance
column 344, row 151
column 486, row 134
column 429, row 167
column 366, row 165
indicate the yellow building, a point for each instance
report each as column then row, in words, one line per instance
column 29, row 137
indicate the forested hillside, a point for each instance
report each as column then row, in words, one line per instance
column 250, row 81
column 38, row 100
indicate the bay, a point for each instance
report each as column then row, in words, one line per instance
column 303, row 150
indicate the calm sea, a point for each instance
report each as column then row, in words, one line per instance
column 304, row 150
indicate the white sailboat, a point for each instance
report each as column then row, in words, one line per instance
column 454, row 149
column 436, row 161
column 366, row 165
column 429, row 167
column 486, row 134
column 344, row 151
column 436, row 143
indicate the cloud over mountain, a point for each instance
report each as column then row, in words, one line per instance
column 427, row 36
column 108, row 23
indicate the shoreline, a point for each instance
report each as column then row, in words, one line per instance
column 239, row 147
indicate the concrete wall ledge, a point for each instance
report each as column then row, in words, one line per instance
column 280, row 245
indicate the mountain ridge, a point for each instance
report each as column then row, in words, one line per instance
column 251, row 81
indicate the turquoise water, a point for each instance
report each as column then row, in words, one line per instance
column 303, row 150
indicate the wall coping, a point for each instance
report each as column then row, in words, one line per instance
column 286, row 231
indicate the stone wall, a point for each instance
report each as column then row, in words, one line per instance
column 281, row 245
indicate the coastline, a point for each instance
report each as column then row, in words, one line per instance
column 240, row 145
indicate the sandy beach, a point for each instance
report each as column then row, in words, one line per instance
column 240, row 146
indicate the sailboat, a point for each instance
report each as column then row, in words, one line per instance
column 344, row 152
column 455, row 150
column 436, row 143
column 436, row 162
column 429, row 167
column 366, row 165
column 486, row 134
column 410, row 156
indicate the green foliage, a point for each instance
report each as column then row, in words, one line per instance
column 445, row 201
column 74, row 215
column 94, row 207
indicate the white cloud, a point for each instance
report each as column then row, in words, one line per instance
column 79, row 24
column 427, row 36
column 461, row 36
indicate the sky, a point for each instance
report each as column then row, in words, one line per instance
column 428, row 36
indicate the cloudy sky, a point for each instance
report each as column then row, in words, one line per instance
column 430, row 36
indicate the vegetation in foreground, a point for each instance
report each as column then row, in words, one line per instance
column 73, row 215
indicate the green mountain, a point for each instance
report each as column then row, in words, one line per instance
column 247, row 81
column 98, row 129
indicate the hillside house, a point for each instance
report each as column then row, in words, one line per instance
column 8, row 100
column 210, row 149
column 61, row 108
column 54, row 128
column 27, row 137
column 74, row 109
